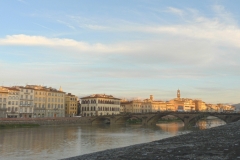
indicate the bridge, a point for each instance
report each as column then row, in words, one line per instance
column 188, row 118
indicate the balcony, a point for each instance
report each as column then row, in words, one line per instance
column 26, row 105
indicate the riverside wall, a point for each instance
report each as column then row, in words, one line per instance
column 219, row 143
column 46, row 121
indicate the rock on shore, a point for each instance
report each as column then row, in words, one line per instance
column 220, row 143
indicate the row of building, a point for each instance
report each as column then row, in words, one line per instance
column 32, row 101
column 101, row 104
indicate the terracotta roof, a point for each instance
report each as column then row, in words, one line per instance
column 100, row 96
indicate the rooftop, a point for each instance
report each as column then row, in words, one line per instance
column 100, row 96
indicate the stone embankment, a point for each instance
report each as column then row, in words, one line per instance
column 46, row 121
column 220, row 143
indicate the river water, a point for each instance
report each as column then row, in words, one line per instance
column 56, row 142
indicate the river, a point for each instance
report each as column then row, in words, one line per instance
column 56, row 142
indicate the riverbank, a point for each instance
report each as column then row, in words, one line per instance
column 221, row 142
column 3, row 126
column 45, row 121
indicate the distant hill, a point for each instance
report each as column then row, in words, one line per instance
column 237, row 106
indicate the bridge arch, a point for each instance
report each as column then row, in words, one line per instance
column 193, row 121
column 154, row 118
column 100, row 120
column 235, row 119
column 123, row 119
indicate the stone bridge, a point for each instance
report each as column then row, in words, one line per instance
column 188, row 118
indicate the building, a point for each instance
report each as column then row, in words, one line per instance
column 200, row 106
column 100, row 104
column 48, row 101
column 71, row 105
column 3, row 101
column 151, row 105
column 182, row 104
column 13, row 101
column 134, row 106
column 145, row 106
column 26, row 101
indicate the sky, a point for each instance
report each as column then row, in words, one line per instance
column 125, row 48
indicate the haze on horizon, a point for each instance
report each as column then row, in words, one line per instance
column 127, row 49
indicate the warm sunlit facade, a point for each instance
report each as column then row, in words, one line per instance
column 177, row 104
column 100, row 104
column 48, row 102
column 3, row 101
column 71, row 104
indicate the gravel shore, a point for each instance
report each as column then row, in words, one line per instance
column 219, row 143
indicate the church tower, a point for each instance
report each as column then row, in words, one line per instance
column 178, row 94
column 60, row 89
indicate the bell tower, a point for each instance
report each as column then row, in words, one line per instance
column 178, row 94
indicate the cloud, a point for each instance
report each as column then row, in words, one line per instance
column 27, row 40
column 175, row 11
column 66, row 24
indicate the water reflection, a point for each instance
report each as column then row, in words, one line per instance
column 57, row 142
column 209, row 122
column 171, row 127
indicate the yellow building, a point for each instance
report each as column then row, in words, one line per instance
column 145, row 106
column 3, row 102
column 182, row 104
column 71, row 102
column 200, row 106
column 134, row 106
column 48, row 101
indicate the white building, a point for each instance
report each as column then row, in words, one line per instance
column 26, row 102
column 13, row 103
column 100, row 104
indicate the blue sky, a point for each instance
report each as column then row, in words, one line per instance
column 128, row 49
